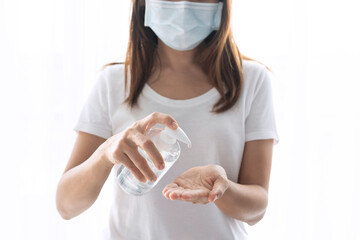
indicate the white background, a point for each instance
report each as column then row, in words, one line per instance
column 50, row 51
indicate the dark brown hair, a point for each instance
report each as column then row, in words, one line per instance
column 218, row 56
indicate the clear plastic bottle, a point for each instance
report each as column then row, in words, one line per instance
column 165, row 139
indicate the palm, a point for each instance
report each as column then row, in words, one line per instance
column 195, row 185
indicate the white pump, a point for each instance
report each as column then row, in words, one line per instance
column 170, row 135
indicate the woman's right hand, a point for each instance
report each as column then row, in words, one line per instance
column 122, row 148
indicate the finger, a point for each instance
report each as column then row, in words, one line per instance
column 169, row 186
column 167, row 194
column 133, row 169
column 136, row 140
column 171, row 191
column 194, row 195
column 200, row 199
column 136, row 156
column 175, row 194
column 141, row 163
column 148, row 122
column 149, row 147
column 187, row 195
column 219, row 188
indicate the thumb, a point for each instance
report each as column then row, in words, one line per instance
column 219, row 188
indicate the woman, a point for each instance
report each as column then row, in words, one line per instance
column 183, row 67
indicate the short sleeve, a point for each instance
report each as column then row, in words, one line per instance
column 94, row 117
column 260, row 123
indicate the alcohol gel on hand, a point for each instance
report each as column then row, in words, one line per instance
column 165, row 140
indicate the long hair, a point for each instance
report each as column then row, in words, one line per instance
column 218, row 56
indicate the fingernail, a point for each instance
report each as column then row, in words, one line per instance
column 174, row 124
column 162, row 166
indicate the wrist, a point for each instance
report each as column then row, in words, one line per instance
column 227, row 193
column 103, row 158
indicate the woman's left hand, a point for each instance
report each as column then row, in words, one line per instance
column 201, row 184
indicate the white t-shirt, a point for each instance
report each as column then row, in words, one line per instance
column 216, row 139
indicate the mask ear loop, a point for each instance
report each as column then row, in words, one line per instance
column 146, row 24
column 218, row 16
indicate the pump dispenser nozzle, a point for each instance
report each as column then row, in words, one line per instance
column 178, row 134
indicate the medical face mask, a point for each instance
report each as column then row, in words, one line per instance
column 182, row 25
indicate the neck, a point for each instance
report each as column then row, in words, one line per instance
column 173, row 59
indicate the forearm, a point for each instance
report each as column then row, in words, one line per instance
column 80, row 186
column 246, row 203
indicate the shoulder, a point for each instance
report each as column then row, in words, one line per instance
column 253, row 69
column 113, row 72
column 113, row 76
column 255, row 74
column 110, row 80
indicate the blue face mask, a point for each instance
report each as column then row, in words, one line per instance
column 182, row 25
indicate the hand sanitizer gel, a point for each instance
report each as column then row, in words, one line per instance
column 165, row 139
